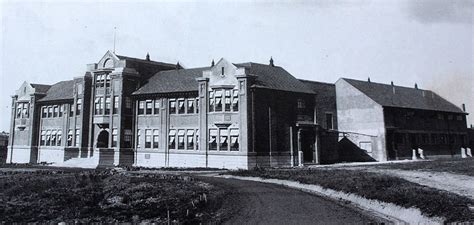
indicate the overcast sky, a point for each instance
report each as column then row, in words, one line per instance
column 429, row 42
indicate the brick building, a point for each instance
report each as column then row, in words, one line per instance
column 129, row 111
column 388, row 121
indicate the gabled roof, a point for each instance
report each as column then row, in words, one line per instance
column 403, row 97
column 274, row 77
column 41, row 88
column 319, row 87
column 62, row 90
column 121, row 57
column 172, row 81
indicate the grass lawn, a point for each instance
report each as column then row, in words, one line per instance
column 106, row 196
column 457, row 166
column 430, row 201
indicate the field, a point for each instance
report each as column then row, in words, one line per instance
column 106, row 196
column 432, row 202
column 456, row 166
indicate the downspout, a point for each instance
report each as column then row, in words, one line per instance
column 270, row 134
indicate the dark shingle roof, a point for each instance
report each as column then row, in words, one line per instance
column 145, row 61
column 404, row 97
column 184, row 80
column 172, row 81
column 274, row 77
column 62, row 90
column 41, row 88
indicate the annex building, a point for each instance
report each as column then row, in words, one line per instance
column 130, row 111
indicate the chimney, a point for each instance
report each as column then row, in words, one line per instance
column 271, row 62
column 368, row 79
column 391, row 83
column 463, row 107
column 147, row 57
column 178, row 66
column 212, row 63
column 393, row 87
column 416, row 86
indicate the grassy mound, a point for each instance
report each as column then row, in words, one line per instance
column 107, row 196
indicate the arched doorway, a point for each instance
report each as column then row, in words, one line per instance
column 103, row 139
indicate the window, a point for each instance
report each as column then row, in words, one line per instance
column 197, row 105
column 114, row 137
column 329, row 122
column 128, row 102
column 181, row 107
column 424, row 138
column 434, row 138
column 212, row 139
column 18, row 110
column 44, row 112
column 97, row 106
column 138, row 138
column 25, row 110
column 190, row 140
column 149, row 107
column 190, row 106
column 227, row 100
column 223, row 139
column 211, row 105
column 459, row 118
column 53, row 137
column 55, row 111
column 235, row 101
column 218, row 97
column 69, row 138
column 180, row 139
column 107, row 80
column 127, row 138
column 61, row 110
column 197, row 139
column 172, row 139
column 156, row 138
column 157, row 106
column 222, row 71
column 107, row 105
column 440, row 116
column 141, row 107
column 78, row 135
column 50, row 111
column 59, row 136
column 450, row 117
column 147, row 138
column 301, row 104
column 71, row 112
column 78, row 106
column 116, row 105
column 172, row 106
column 48, row 137
column 43, row 138
column 234, row 139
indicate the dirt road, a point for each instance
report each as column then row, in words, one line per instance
column 259, row 203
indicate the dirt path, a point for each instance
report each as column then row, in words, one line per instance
column 455, row 183
column 260, row 203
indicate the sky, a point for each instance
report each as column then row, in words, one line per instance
column 428, row 42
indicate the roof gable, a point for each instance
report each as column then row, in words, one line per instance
column 274, row 77
column 59, row 91
column 172, row 81
column 403, row 97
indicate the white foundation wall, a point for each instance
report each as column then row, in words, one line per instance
column 190, row 160
column 51, row 155
column 19, row 154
